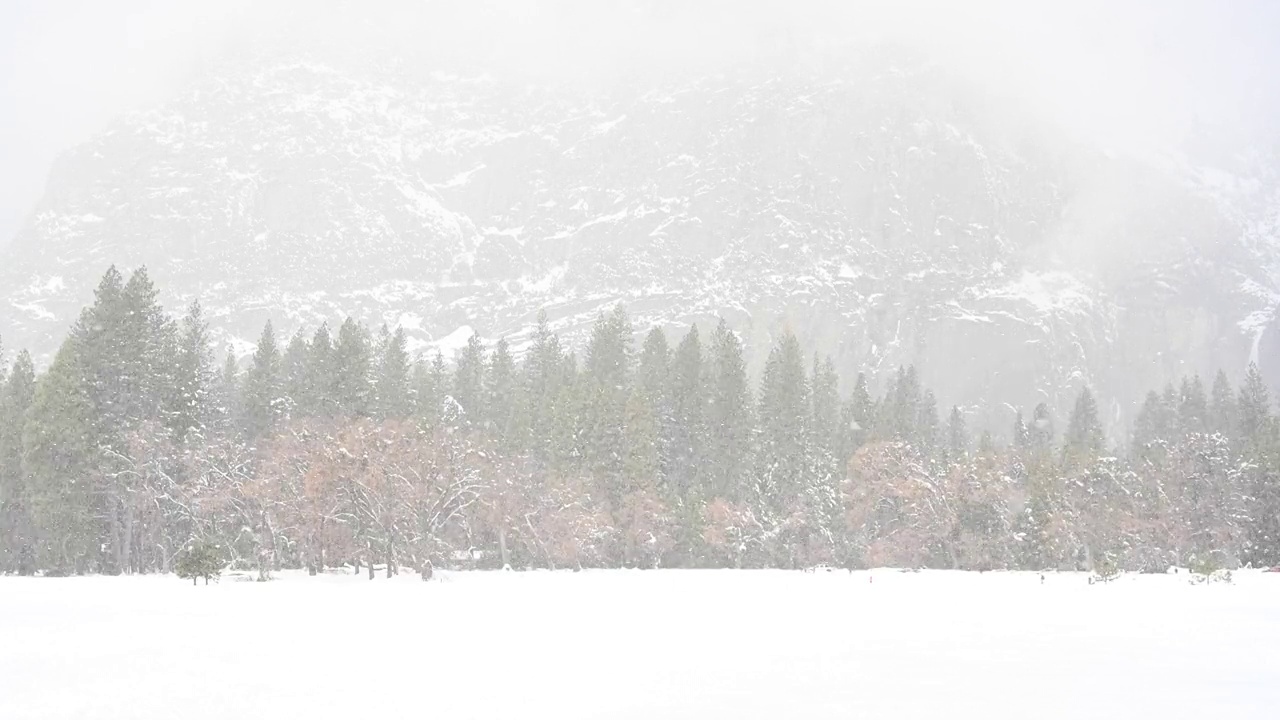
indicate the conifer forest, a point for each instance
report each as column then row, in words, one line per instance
column 338, row 447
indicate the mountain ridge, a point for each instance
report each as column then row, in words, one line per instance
column 883, row 211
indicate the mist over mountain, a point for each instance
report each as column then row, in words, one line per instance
column 886, row 205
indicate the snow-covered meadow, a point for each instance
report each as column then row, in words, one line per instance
column 642, row 644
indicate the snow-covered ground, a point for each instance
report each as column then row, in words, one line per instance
column 637, row 644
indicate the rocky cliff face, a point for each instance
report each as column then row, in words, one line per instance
column 882, row 209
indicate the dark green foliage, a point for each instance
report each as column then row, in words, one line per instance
column 262, row 404
column 784, row 416
column 1254, row 408
column 190, row 404
column 17, row 391
column 957, row 436
column 730, row 417
column 688, row 407
column 504, row 403
column 1084, row 437
column 132, row 442
column 1040, row 432
column 200, row 559
column 352, row 362
column 468, row 383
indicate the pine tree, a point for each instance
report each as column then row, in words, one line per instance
column 17, row 392
column 784, row 426
column 190, row 403
column 431, row 383
column 1222, row 406
column 1261, row 448
column 730, row 422
column 393, row 392
column 986, row 444
column 1084, row 440
column 862, row 410
column 59, row 459
column 1254, row 408
column 322, row 381
column 295, row 377
column 1193, row 412
column 906, row 412
column 957, row 436
column 653, row 382
column 352, row 392
column 468, row 382
column 501, row 397
column 689, row 410
column 261, row 403
column 825, row 401
column 926, row 424
column 1021, row 435
column 542, row 375
column 1148, row 437
column 226, row 395
column 1041, row 432
column 605, row 391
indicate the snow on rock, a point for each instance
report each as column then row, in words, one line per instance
column 450, row 344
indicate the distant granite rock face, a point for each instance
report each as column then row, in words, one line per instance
column 883, row 211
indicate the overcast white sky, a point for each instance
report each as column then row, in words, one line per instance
column 1123, row 72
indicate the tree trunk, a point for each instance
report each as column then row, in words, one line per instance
column 126, row 545
column 369, row 548
column 502, row 548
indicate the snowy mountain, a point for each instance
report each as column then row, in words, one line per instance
column 885, row 210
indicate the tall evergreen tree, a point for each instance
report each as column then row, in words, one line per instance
column 542, row 377
column 606, row 388
column 16, row 395
column 431, row 383
column 320, row 387
column 295, row 376
column 862, row 408
column 226, row 395
column 352, row 368
column 1193, row 412
column 1148, row 436
column 392, row 390
column 191, row 402
column 1021, row 434
column 468, row 382
column 1222, row 406
column 1254, row 407
column 1084, row 440
column 501, row 390
column 825, row 401
column 261, row 402
column 926, row 424
column 653, row 382
column 59, row 461
column 957, row 436
column 784, row 425
column 1040, row 432
column 689, row 413
column 730, row 420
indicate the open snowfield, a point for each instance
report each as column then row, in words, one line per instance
column 641, row 644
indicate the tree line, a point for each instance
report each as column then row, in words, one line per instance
column 340, row 448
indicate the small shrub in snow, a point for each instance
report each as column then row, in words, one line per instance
column 1105, row 570
column 200, row 559
column 1208, row 570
